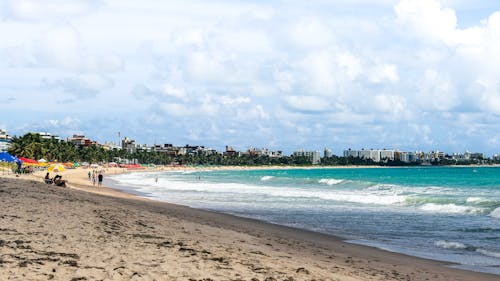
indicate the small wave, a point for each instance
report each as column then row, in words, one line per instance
column 266, row 178
column 495, row 213
column 450, row 245
column 330, row 181
column 475, row 200
column 488, row 253
column 450, row 209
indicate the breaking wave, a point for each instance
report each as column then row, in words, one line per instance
column 495, row 213
column 450, row 245
column 330, row 181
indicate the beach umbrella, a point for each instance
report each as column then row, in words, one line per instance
column 27, row 161
column 76, row 165
column 42, row 161
column 6, row 157
column 56, row 167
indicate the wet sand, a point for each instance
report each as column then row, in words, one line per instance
column 54, row 233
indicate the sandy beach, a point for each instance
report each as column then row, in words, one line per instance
column 89, row 233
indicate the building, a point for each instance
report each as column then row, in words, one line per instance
column 46, row 135
column 80, row 141
column 129, row 145
column 230, row 151
column 387, row 155
column 5, row 140
column 496, row 157
column 167, row 148
column 314, row 156
column 110, row 146
column 351, row 153
column 327, row 153
column 377, row 155
column 264, row 152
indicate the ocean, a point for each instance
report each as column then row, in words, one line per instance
column 442, row 213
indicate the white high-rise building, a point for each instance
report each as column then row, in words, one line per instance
column 387, row 155
column 351, row 153
column 5, row 140
column 328, row 153
column 313, row 155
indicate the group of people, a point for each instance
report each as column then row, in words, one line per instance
column 96, row 176
column 57, row 180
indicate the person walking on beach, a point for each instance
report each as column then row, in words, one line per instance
column 90, row 174
column 100, row 177
column 93, row 178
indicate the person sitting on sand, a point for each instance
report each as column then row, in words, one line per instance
column 59, row 182
column 47, row 179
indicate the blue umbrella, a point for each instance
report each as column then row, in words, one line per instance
column 6, row 157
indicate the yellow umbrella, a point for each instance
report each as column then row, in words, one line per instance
column 56, row 167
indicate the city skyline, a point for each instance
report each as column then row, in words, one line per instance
column 411, row 75
column 130, row 144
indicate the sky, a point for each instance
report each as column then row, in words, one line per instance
column 400, row 74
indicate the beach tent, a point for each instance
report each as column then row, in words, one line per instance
column 76, row 165
column 42, row 161
column 6, row 157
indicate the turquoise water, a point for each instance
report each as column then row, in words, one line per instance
column 443, row 213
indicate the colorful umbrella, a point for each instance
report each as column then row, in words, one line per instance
column 27, row 161
column 56, row 167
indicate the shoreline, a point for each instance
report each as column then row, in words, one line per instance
column 360, row 261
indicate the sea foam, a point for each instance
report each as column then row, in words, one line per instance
column 495, row 213
column 450, row 209
column 488, row 253
column 450, row 245
column 330, row 181
column 266, row 178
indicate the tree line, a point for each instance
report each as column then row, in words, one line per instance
column 33, row 146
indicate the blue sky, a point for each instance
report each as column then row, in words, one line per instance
column 404, row 74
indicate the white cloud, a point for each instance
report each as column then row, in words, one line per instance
column 308, row 103
column 384, row 72
column 310, row 33
column 42, row 10
column 436, row 92
column 227, row 100
column 173, row 91
column 258, row 64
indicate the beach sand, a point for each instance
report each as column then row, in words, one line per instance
column 86, row 233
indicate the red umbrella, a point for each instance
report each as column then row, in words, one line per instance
column 28, row 161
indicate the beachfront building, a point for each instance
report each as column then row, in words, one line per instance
column 468, row 156
column 327, row 153
column 5, row 140
column 110, row 146
column 496, row 157
column 230, row 151
column 167, row 148
column 387, row 155
column 314, row 156
column 80, row 141
column 351, row 153
column 378, row 155
column 264, row 152
column 129, row 145
column 46, row 135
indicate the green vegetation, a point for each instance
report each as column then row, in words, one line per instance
column 34, row 147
